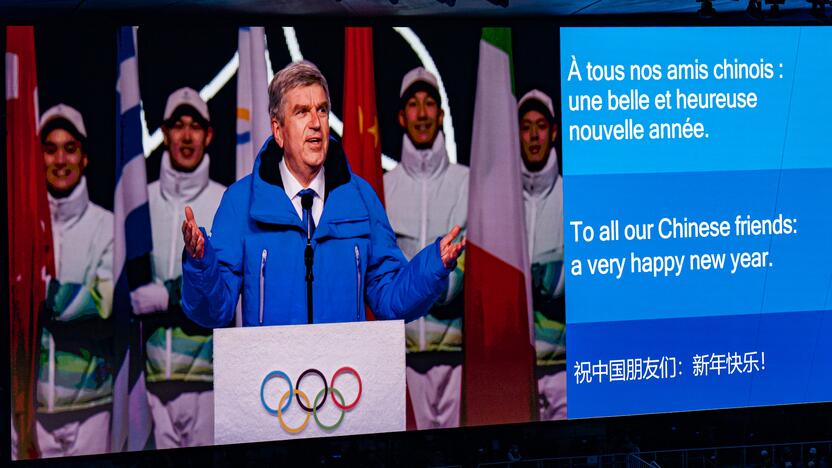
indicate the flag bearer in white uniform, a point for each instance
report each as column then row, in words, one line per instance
column 180, row 352
column 75, row 379
column 543, row 201
column 426, row 196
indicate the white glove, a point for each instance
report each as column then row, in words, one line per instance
column 150, row 298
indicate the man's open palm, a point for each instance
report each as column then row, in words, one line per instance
column 450, row 250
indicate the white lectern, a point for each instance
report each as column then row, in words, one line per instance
column 346, row 378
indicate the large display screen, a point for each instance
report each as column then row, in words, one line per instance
column 697, row 235
column 660, row 196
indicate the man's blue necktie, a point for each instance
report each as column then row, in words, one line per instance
column 306, row 197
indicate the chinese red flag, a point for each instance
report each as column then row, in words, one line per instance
column 361, row 136
column 30, row 231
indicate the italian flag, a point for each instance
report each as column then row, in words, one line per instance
column 498, row 371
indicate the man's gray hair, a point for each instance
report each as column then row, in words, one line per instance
column 294, row 75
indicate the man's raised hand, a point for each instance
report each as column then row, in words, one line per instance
column 194, row 240
column 450, row 250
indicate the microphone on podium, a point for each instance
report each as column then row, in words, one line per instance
column 308, row 253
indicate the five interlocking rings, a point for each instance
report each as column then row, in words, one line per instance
column 316, row 405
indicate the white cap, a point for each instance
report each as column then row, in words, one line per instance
column 63, row 111
column 417, row 74
column 186, row 97
column 540, row 96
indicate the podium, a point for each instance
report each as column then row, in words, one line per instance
column 302, row 381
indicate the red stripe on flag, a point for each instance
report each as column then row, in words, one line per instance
column 410, row 415
column 30, row 234
column 498, row 374
column 361, row 138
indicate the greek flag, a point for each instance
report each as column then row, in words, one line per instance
column 253, row 123
column 131, row 259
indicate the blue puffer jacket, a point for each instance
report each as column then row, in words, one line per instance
column 257, row 244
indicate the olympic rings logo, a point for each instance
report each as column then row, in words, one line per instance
column 311, row 409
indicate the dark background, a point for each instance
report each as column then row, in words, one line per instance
column 76, row 60
column 78, row 67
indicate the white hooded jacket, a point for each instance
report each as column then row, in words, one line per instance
column 425, row 197
column 168, row 197
column 170, row 351
column 82, row 238
column 543, row 201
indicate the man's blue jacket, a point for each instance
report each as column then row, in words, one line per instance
column 257, row 246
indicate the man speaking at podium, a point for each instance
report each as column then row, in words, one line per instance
column 302, row 238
